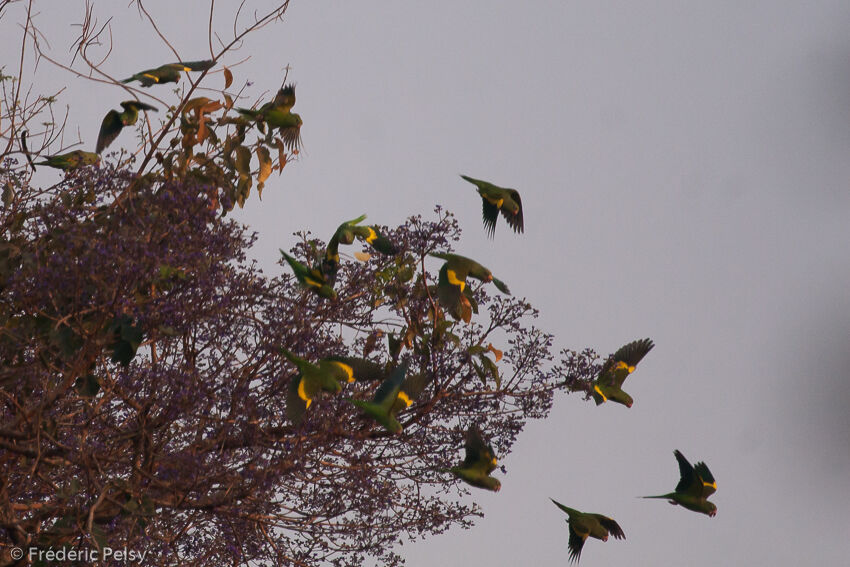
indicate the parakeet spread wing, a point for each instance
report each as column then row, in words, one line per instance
column 576, row 543
column 514, row 220
column 479, row 455
column 709, row 485
column 109, row 130
column 617, row 368
column 609, row 524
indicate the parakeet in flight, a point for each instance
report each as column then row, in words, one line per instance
column 278, row 114
column 311, row 278
column 479, row 462
column 70, row 160
column 499, row 199
column 345, row 234
column 283, row 101
column 608, row 385
column 695, row 486
column 583, row 525
column 313, row 378
column 114, row 121
column 364, row 370
column 393, row 395
column 169, row 73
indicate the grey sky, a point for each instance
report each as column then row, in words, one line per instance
column 685, row 176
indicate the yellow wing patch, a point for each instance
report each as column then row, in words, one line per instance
column 372, row 235
column 453, row 279
column 599, row 391
column 403, row 397
column 711, row 484
column 149, row 76
column 302, row 393
column 349, row 372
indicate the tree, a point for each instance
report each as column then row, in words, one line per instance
column 143, row 388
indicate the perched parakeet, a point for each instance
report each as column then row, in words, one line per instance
column 169, row 73
column 695, row 486
column 583, row 525
column 457, row 299
column 311, row 278
column 452, row 291
column 608, row 385
column 498, row 199
column 458, row 268
column 393, row 395
column 71, row 160
column 479, row 462
column 312, row 378
column 114, row 121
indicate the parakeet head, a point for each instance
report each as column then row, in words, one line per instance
column 621, row 397
column 712, row 509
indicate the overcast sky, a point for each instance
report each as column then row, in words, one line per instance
column 685, row 176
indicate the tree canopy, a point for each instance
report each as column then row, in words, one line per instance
column 144, row 389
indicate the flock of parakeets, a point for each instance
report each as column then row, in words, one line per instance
column 276, row 114
column 398, row 391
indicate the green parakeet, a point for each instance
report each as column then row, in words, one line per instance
column 345, row 234
column 71, row 160
column 364, row 370
column 284, row 100
column 114, row 121
column 608, row 385
column 499, row 199
column 456, row 299
column 479, row 462
column 695, row 486
column 311, row 278
column 287, row 123
column 393, row 395
column 313, row 378
column 583, row 525
column 458, row 268
column 169, row 73
column 380, row 408
column 342, row 235
column 453, row 293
